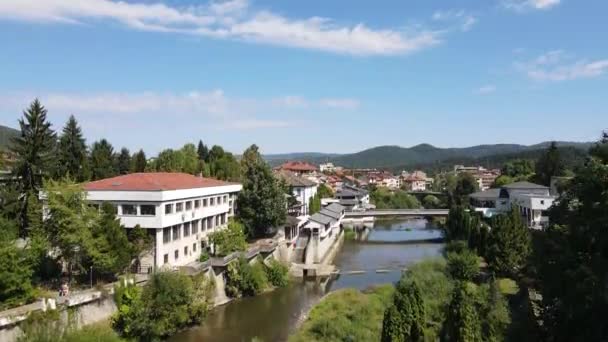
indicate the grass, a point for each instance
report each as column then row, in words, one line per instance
column 347, row 315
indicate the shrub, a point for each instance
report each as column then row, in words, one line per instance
column 229, row 240
column 456, row 246
column 463, row 265
column 244, row 279
column 350, row 234
column 204, row 256
column 277, row 274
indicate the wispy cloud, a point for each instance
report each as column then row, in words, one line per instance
column 464, row 19
column 233, row 19
column 523, row 5
column 558, row 66
column 486, row 89
column 250, row 124
column 339, row 103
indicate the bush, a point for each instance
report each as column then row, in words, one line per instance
column 15, row 276
column 48, row 327
column 456, row 246
column 463, row 265
column 349, row 234
column 277, row 274
column 244, row 279
column 229, row 240
column 204, row 256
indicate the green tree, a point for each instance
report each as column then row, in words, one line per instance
column 462, row 322
column 262, row 200
column 123, row 161
column 509, row 244
column 549, row 165
column 202, row 151
column 168, row 160
column 465, row 185
column 34, row 156
column 404, row 320
column 15, row 272
column 72, row 159
column 102, row 160
column 518, row 168
column 190, row 159
column 139, row 161
column 109, row 250
column 229, row 240
column 502, row 180
column 463, row 265
column 431, row 202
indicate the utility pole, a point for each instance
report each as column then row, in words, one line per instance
column 91, row 276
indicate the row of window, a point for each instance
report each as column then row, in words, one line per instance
column 178, row 231
column 205, row 202
column 176, row 252
column 144, row 209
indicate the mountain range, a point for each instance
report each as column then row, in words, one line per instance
column 6, row 134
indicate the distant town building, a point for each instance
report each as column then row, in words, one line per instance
column 323, row 228
column 297, row 167
column 416, row 181
column 484, row 177
column 327, row 167
column 531, row 200
column 352, row 198
column 302, row 189
column 178, row 210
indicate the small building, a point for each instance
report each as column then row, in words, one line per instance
column 297, row 167
column 531, row 200
column 327, row 167
column 323, row 228
column 485, row 178
column 178, row 210
column 302, row 189
column 415, row 182
column 352, row 198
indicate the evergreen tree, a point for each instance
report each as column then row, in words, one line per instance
column 404, row 320
column 72, row 152
column 202, row 151
column 123, row 161
column 262, row 200
column 549, row 165
column 465, row 185
column 139, row 161
column 462, row 322
column 34, row 153
column 509, row 244
column 109, row 250
column 15, row 272
column 102, row 160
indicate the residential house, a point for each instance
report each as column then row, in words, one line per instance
column 352, row 198
column 297, row 167
column 323, row 228
column 301, row 188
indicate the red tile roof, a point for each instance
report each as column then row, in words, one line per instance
column 297, row 166
column 153, row 181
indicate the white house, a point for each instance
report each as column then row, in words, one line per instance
column 531, row 200
column 353, row 198
column 302, row 189
column 327, row 167
column 179, row 210
column 324, row 228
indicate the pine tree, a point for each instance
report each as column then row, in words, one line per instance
column 72, row 152
column 549, row 165
column 404, row 320
column 462, row 323
column 123, row 161
column 202, row 151
column 509, row 243
column 139, row 161
column 34, row 152
column 102, row 160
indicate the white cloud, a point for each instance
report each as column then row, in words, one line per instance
column 233, row 19
column 340, row 103
column 487, row 89
column 557, row 66
column 465, row 20
column 249, row 124
column 522, row 5
column 291, row 101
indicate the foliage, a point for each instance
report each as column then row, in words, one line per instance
column 109, row 250
column 350, row 234
column 183, row 160
column 323, row 191
column 549, row 165
column 277, row 274
column 222, row 165
column 102, row 160
column 518, row 168
column 462, row 322
column 123, row 161
column 384, row 198
column 170, row 301
column 139, row 161
column 465, row 185
column 431, row 202
column 244, row 279
column 462, row 225
column 572, row 257
column 72, row 158
column 140, row 241
column 262, row 201
column 202, row 151
column 346, row 315
column 463, row 265
column 494, row 311
column 229, row 240
column 204, row 256
column 15, row 271
column 502, row 180
column 405, row 319
column 509, row 244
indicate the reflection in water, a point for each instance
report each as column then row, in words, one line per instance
column 274, row 315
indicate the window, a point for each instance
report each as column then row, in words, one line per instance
column 204, row 221
column 168, row 208
column 148, row 210
column 225, row 199
column 175, row 233
column 189, row 205
column 166, row 258
column 176, row 254
column 197, row 204
column 186, row 251
column 186, row 229
column 166, row 235
column 210, row 222
column 195, row 226
column 217, row 220
column 204, row 202
column 194, row 247
column 129, row 209
column 179, row 207
column 542, row 201
column 211, row 201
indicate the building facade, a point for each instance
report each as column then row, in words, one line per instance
column 302, row 189
column 179, row 210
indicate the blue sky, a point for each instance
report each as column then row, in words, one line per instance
column 315, row 75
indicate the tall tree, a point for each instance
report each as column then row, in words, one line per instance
column 462, row 322
column 465, row 185
column 102, row 160
column 404, row 320
column 34, row 153
column 202, row 151
column 262, row 200
column 190, row 161
column 109, row 250
column 139, row 161
column 549, row 165
column 123, row 161
column 72, row 152
column 509, row 244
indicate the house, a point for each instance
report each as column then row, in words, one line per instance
column 351, row 197
column 302, row 189
column 323, row 228
column 327, row 167
column 531, row 200
column 297, row 167
column 416, row 181
column 178, row 210
column 391, row 182
column 485, row 178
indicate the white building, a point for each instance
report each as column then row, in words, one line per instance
column 391, row 182
column 531, row 200
column 353, row 198
column 179, row 210
column 302, row 189
column 327, row 167
column 324, row 228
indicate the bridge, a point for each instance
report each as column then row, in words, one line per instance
column 396, row 212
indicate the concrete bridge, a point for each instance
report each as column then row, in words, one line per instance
column 396, row 212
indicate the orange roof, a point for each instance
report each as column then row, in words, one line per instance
column 153, row 181
column 297, row 166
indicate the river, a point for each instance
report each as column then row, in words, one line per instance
column 274, row 315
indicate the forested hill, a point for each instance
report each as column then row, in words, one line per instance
column 6, row 134
column 394, row 157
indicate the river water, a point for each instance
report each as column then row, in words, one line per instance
column 274, row 315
